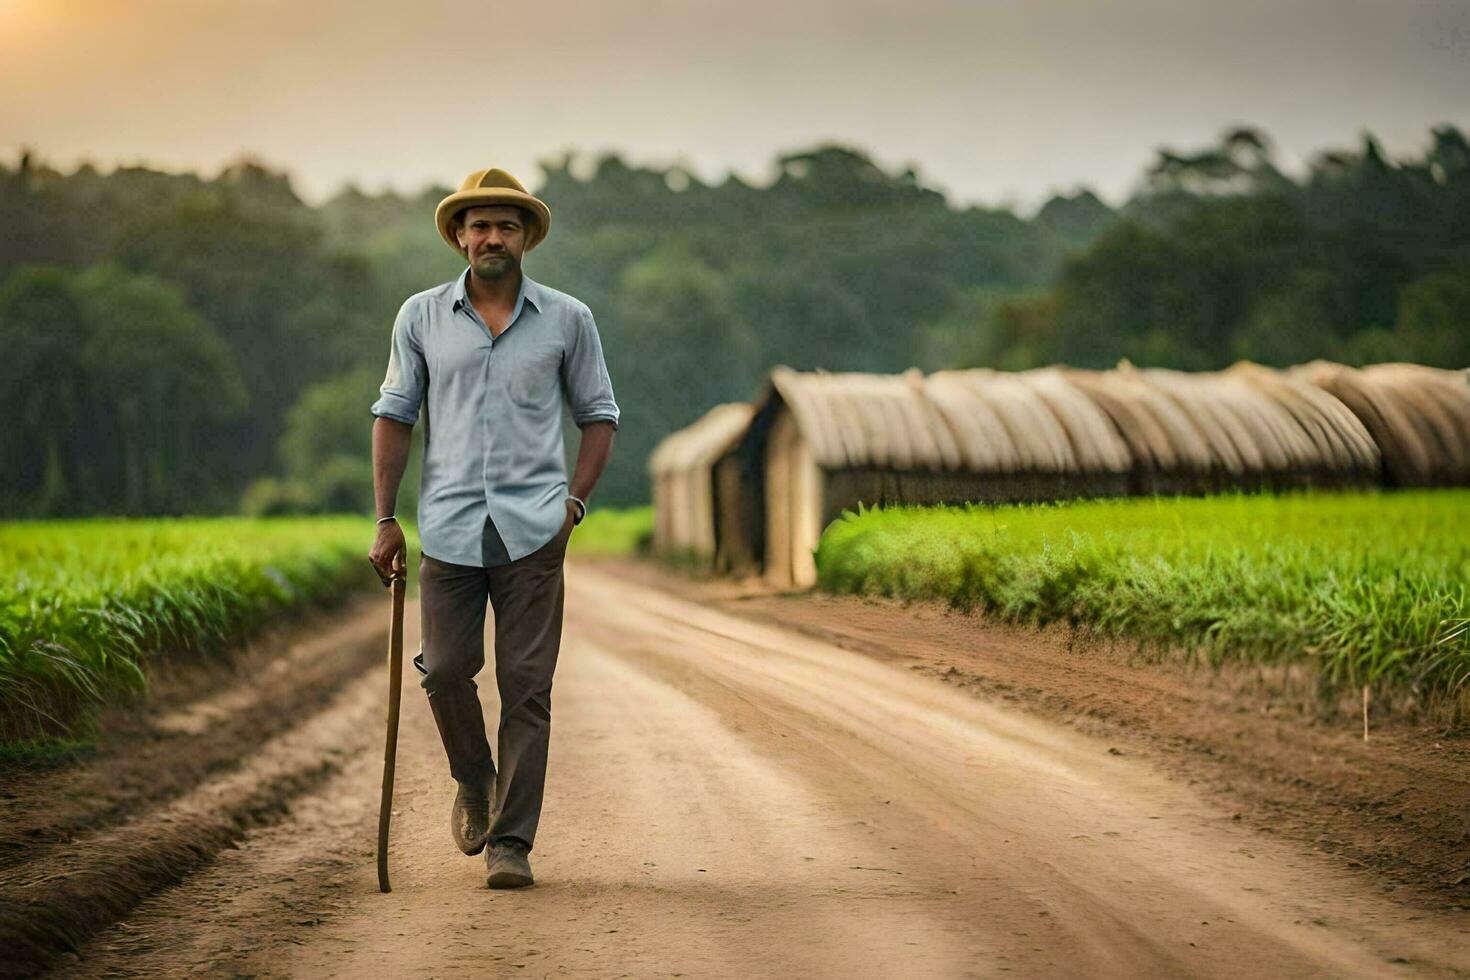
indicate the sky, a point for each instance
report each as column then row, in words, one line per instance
column 996, row 103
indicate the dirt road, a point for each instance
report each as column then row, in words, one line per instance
column 727, row 798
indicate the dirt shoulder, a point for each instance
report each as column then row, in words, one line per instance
column 219, row 746
column 201, row 716
column 1396, row 807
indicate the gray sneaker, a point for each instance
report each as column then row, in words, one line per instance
column 508, row 864
column 469, row 818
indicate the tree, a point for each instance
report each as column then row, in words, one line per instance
column 43, row 386
column 166, row 375
column 1433, row 325
column 1240, row 163
column 326, row 452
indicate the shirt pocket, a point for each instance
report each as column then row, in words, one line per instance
column 536, row 378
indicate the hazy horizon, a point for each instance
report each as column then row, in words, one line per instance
column 1000, row 104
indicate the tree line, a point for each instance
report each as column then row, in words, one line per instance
column 1223, row 257
column 179, row 343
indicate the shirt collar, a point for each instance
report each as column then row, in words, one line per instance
column 530, row 292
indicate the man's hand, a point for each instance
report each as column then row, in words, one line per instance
column 565, row 534
column 388, row 545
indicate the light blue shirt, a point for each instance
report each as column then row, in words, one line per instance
column 493, row 413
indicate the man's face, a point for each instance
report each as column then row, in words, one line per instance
column 494, row 239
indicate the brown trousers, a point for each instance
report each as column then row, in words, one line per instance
column 527, row 598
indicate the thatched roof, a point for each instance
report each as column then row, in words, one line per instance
column 1246, row 420
column 703, row 441
column 1419, row 417
column 1158, row 433
column 974, row 420
column 1094, row 440
column 1326, row 420
column 857, row 420
column 1253, row 419
column 1039, row 440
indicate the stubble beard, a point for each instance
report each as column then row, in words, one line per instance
column 493, row 268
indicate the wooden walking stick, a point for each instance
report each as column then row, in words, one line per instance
column 398, row 584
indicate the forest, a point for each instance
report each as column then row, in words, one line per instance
column 187, row 344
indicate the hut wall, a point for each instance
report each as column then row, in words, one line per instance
column 807, row 491
column 663, row 506
column 744, row 522
column 793, row 505
column 739, row 519
column 680, row 524
column 778, row 499
column 701, row 509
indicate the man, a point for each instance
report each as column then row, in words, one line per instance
column 492, row 355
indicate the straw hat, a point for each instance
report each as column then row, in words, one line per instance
column 487, row 187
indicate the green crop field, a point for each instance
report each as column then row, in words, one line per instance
column 84, row 604
column 1368, row 587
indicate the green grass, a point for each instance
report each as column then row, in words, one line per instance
column 1370, row 588
column 85, row 604
column 607, row 531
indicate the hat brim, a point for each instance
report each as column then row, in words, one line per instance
column 480, row 197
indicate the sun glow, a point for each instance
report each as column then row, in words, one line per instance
column 16, row 15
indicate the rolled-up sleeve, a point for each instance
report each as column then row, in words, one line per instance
column 584, row 373
column 402, row 391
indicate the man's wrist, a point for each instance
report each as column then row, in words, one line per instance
column 581, row 506
column 385, row 520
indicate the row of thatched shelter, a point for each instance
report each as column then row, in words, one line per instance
column 749, row 487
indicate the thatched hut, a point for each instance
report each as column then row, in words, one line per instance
column 681, row 471
column 816, row 443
